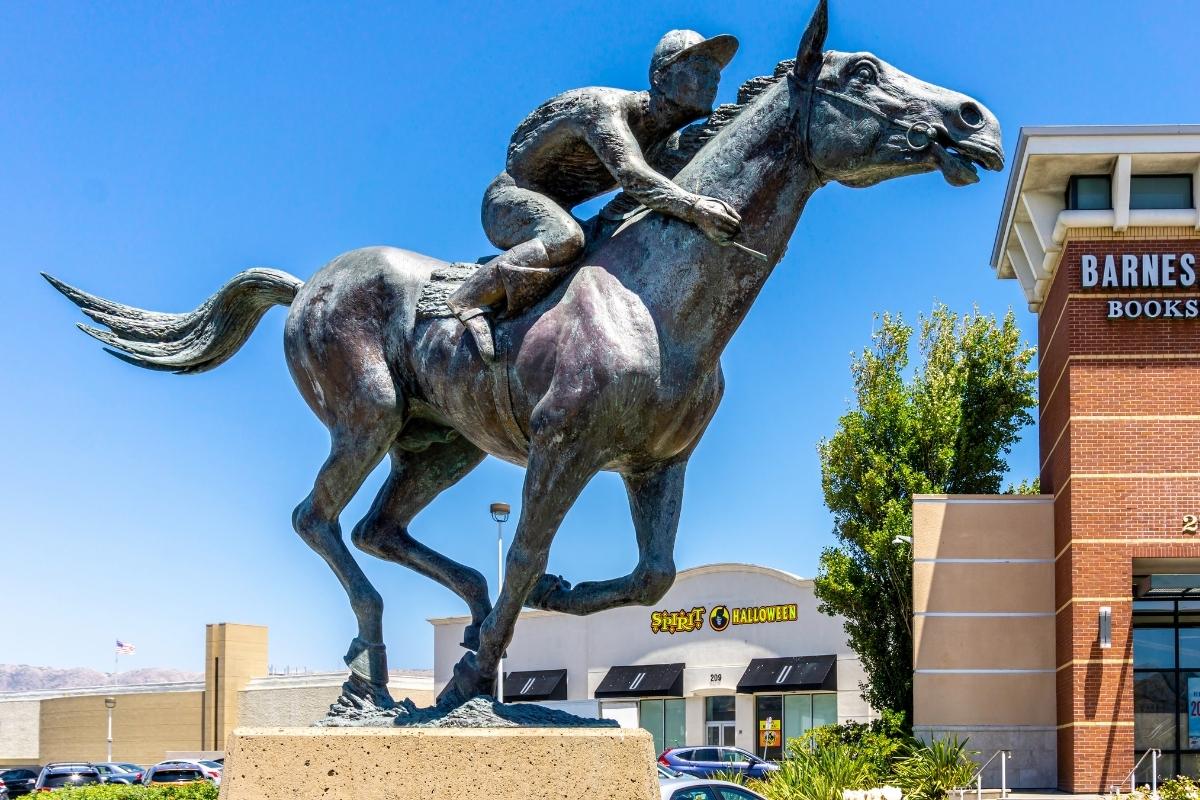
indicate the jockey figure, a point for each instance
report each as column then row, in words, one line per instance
column 576, row 146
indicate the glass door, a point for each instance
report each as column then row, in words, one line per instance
column 719, row 720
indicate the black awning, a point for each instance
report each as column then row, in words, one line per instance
column 643, row 680
column 544, row 684
column 795, row 674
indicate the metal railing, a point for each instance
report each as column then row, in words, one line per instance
column 977, row 778
column 1131, row 778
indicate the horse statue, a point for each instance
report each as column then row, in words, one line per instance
column 617, row 369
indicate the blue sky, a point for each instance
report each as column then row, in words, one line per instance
column 151, row 150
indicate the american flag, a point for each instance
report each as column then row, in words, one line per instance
column 125, row 648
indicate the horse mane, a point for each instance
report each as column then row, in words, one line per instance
column 680, row 148
column 698, row 134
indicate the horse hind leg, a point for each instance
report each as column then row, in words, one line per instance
column 425, row 462
column 356, row 448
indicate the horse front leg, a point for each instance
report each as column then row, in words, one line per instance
column 655, row 499
column 556, row 475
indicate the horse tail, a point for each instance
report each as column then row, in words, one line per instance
column 188, row 343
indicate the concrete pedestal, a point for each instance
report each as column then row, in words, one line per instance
column 437, row 763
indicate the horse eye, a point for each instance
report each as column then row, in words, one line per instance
column 864, row 74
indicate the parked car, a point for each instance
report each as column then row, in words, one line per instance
column 704, row 762
column 697, row 789
column 118, row 772
column 211, row 769
column 4, row 795
column 19, row 780
column 173, row 773
column 60, row 774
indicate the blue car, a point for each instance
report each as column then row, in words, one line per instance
column 704, row 762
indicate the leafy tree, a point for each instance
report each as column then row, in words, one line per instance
column 944, row 427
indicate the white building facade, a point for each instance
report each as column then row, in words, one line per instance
column 734, row 654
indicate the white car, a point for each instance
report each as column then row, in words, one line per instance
column 683, row 788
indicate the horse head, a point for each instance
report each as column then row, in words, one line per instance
column 868, row 122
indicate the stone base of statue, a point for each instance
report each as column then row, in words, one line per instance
column 437, row 763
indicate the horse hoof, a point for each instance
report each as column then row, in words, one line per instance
column 360, row 698
column 468, row 681
column 470, row 637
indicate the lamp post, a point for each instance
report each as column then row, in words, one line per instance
column 500, row 512
column 110, row 703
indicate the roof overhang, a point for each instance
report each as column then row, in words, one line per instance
column 1034, row 221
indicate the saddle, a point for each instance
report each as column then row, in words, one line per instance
column 442, row 283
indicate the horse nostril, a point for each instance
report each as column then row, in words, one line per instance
column 970, row 116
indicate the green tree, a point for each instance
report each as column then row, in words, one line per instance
column 944, row 427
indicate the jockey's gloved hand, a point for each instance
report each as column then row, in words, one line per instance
column 716, row 218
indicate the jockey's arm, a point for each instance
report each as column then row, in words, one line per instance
column 616, row 147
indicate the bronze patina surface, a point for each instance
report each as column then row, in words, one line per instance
column 616, row 368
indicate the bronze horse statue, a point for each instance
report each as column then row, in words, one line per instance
column 617, row 369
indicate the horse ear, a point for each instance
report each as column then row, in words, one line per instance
column 812, row 45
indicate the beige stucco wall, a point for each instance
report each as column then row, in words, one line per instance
column 145, row 726
column 982, row 700
column 20, row 721
column 983, row 626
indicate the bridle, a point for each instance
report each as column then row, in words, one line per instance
column 918, row 136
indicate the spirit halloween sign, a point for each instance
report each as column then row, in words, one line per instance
column 719, row 617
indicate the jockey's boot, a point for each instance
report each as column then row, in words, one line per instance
column 520, row 276
column 471, row 303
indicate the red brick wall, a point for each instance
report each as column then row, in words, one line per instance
column 1115, row 496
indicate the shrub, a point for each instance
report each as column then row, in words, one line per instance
column 201, row 790
column 931, row 771
column 877, row 744
column 820, row 773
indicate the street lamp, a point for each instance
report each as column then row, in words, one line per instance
column 110, row 703
column 500, row 512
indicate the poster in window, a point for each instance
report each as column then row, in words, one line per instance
column 1193, row 697
column 769, row 732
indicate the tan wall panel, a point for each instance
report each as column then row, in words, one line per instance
column 145, row 726
column 983, row 643
column 983, row 587
column 998, row 527
column 991, row 699
column 288, row 707
column 241, row 651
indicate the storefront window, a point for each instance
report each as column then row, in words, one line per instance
column 720, row 720
column 768, row 726
column 801, row 713
column 665, row 719
column 1154, row 648
column 1189, row 648
column 1166, row 687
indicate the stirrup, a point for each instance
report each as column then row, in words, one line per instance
column 476, row 322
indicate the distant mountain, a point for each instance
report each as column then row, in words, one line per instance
column 24, row 678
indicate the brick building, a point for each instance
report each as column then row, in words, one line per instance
column 1085, row 652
